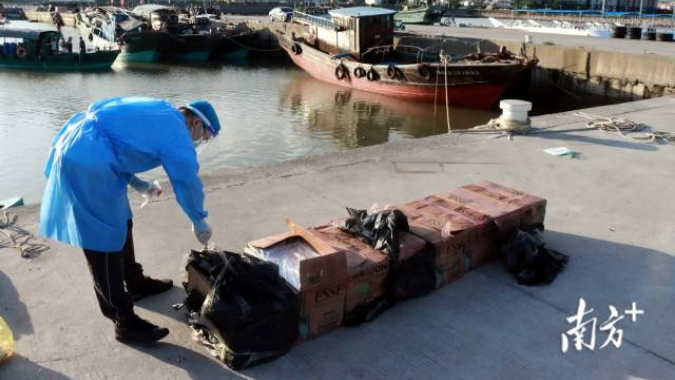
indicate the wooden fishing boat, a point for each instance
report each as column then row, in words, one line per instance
column 365, row 58
column 35, row 46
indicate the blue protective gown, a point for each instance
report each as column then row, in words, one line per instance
column 94, row 156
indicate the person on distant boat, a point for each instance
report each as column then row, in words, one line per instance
column 83, row 49
column 93, row 159
column 65, row 43
column 54, row 44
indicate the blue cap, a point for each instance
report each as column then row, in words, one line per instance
column 205, row 111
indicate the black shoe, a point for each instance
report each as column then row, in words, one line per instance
column 137, row 330
column 149, row 286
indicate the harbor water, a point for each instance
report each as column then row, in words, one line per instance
column 269, row 112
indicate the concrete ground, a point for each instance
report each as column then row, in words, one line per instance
column 610, row 209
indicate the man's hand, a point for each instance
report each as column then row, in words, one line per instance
column 202, row 232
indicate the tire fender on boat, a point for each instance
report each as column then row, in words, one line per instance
column 391, row 71
column 296, row 49
column 425, row 71
column 360, row 72
column 21, row 52
column 371, row 75
column 341, row 71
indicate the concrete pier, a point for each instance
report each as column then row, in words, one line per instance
column 610, row 209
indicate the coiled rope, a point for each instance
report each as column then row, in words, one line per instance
column 18, row 237
column 623, row 127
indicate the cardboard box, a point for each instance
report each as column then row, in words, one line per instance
column 478, row 244
column 196, row 281
column 533, row 208
column 460, row 235
column 323, row 283
column 504, row 215
column 367, row 268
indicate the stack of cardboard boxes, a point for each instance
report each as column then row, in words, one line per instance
column 463, row 226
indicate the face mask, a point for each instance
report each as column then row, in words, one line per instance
column 200, row 146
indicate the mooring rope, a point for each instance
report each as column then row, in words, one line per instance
column 444, row 60
column 18, row 237
column 623, row 127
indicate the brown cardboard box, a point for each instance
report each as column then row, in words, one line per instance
column 455, row 232
column 197, row 282
column 533, row 207
column 506, row 216
column 367, row 268
column 323, row 283
column 478, row 245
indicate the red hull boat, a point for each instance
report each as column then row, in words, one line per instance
column 474, row 81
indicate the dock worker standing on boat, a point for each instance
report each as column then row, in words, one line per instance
column 93, row 159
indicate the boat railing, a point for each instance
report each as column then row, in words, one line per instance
column 313, row 20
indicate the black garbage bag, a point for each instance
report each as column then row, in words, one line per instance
column 378, row 229
column 415, row 276
column 406, row 279
column 530, row 259
column 250, row 316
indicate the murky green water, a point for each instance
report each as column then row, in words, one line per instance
column 270, row 113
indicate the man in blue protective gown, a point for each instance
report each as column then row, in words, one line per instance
column 92, row 160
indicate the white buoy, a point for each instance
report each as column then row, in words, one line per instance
column 515, row 114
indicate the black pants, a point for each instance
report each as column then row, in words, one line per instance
column 111, row 272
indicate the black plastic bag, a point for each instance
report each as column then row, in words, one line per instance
column 530, row 259
column 415, row 276
column 250, row 316
column 377, row 229
column 410, row 278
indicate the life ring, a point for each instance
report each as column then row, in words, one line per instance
column 21, row 52
column 296, row 49
column 372, row 75
column 341, row 72
column 425, row 72
column 360, row 72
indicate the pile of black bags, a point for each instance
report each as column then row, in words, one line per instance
column 249, row 315
column 530, row 259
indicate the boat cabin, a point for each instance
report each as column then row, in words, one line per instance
column 30, row 41
column 351, row 30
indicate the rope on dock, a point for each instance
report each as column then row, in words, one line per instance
column 18, row 237
column 623, row 127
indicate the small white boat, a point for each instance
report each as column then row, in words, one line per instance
column 11, row 202
column 588, row 29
